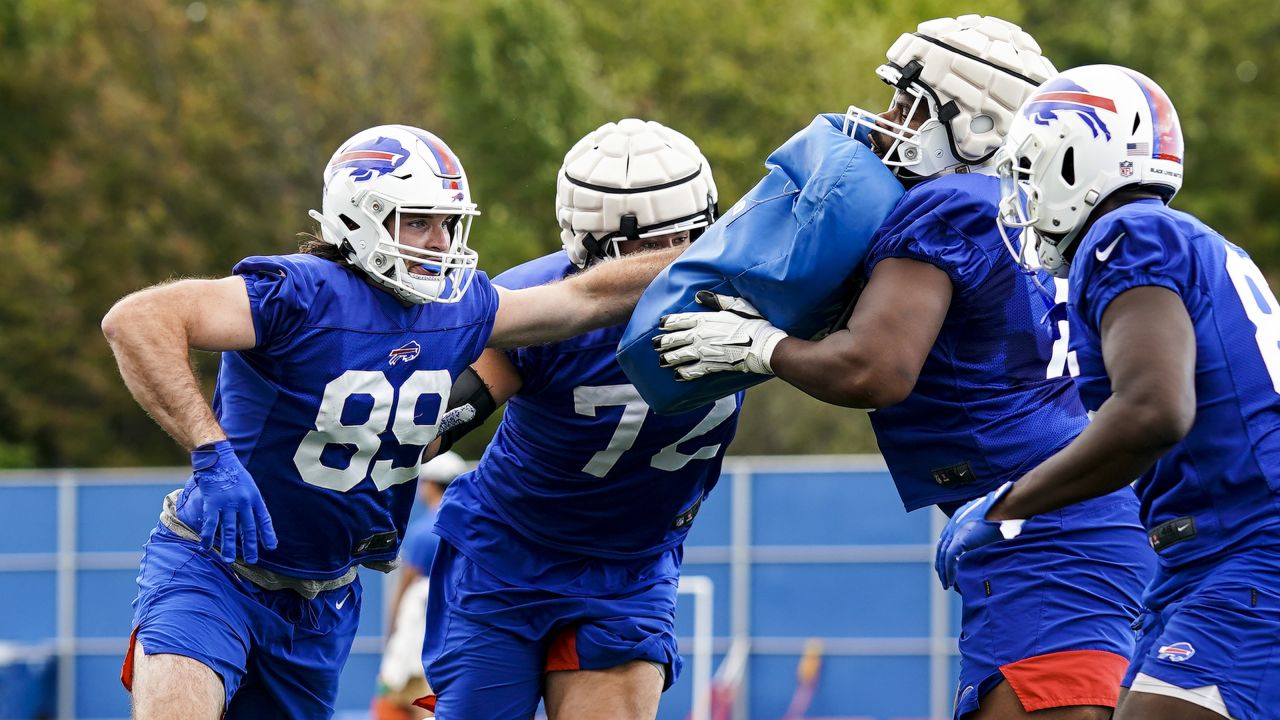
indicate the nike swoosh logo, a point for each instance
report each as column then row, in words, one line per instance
column 1105, row 253
column 343, row 601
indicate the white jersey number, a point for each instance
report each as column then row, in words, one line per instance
column 363, row 436
column 587, row 398
column 1261, row 307
column 1062, row 361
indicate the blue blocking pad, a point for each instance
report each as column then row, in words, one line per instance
column 790, row 246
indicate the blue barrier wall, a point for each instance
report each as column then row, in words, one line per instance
column 795, row 548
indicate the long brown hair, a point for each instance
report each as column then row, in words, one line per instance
column 311, row 244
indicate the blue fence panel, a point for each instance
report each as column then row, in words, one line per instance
column 831, row 555
column 117, row 518
column 831, row 508
column 840, row 600
column 874, row 688
column 29, row 516
column 28, row 606
column 99, row 695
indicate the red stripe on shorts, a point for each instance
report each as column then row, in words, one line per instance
column 126, row 670
column 563, row 653
column 1070, row 677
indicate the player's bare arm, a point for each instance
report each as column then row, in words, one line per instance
column 600, row 296
column 1149, row 347
column 499, row 375
column 151, row 333
column 477, row 393
column 875, row 361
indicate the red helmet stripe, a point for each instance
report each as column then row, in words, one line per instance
column 1167, row 141
column 1077, row 97
column 448, row 163
column 364, row 155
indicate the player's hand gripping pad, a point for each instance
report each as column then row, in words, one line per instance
column 790, row 247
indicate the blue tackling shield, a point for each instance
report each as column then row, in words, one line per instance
column 791, row 247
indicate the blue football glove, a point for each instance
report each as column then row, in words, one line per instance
column 969, row 529
column 231, row 499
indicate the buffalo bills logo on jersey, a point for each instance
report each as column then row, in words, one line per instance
column 371, row 159
column 406, row 353
column 1061, row 95
column 1177, row 652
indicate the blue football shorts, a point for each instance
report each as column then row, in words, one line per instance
column 278, row 653
column 1216, row 623
column 489, row 643
column 1051, row 611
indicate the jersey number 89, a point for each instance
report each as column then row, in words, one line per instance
column 330, row 429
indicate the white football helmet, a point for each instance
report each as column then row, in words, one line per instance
column 376, row 176
column 628, row 180
column 1083, row 135
column 971, row 73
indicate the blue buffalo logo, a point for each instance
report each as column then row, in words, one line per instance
column 1062, row 95
column 371, row 158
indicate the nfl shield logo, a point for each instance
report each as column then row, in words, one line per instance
column 1126, row 168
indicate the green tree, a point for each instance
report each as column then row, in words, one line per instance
column 151, row 140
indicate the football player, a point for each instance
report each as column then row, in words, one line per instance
column 336, row 366
column 956, row 351
column 560, row 554
column 1176, row 331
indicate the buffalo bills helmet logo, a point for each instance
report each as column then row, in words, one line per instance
column 1062, row 95
column 370, row 159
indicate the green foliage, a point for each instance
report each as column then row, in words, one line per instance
column 1217, row 60
column 145, row 141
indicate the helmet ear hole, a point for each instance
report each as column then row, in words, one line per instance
column 982, row 124
column 1069, row 166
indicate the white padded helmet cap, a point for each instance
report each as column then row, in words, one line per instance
column 986, row 65
column 636, row 168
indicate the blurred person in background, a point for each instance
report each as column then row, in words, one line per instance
column 955, row 350
column 400, row 678
column 336, row 369
column 1176, row 333
column 560, row 554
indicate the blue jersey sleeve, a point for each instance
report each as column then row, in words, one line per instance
column 420, row 542
column 938, row 222
column 281, row 290
column 1127, row 250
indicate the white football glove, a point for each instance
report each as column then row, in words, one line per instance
column 733, row 336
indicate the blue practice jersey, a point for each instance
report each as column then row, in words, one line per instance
column 1225, row 474
column 993, row 398
column 331, row 409
column 420, row 542
column 580, row 464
